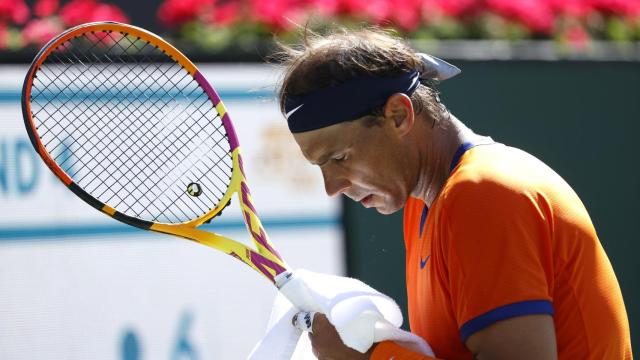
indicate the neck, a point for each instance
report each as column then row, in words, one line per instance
column 438, row 148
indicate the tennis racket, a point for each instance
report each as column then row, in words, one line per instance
column 131, row 126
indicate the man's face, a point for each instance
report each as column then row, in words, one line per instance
column 366, row 163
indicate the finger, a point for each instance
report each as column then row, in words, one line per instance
column 304, row 321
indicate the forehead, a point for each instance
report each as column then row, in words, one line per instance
column 316, row 145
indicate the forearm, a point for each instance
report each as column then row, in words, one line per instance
column 389, row 350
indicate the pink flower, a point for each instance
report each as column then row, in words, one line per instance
column 107, row 12
column 374, row 10
column 44, row 8
column 226, row 14
column 577, row 37
column 81, row 11
column 572, row 8
column 174, row 13
column 40, row 31
column 277, row 14
column 77, row 12
column 405, row 14
column 535, row 15
column 451, row 8
column 628, row 8
column 377, row 10
column 325, row 7
column 14, row 11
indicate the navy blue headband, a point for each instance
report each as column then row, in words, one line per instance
column 358, row 97
column 347, row 101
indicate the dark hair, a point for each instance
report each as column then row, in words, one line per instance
column 328, row 60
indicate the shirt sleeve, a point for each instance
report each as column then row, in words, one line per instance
column 498, row 253
column 389, row 350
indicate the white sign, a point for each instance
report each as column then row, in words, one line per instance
column 77, row 284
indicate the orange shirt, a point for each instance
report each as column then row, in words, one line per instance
column 508, row 237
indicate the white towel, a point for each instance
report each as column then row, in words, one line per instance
column 362, row 316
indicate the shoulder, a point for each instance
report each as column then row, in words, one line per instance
column 501, row 180
column 496, row 173
column 496, row 195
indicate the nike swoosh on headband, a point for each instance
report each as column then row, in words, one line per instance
column 293, row 110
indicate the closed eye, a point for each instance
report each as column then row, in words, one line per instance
column 340, row 157
column 336, row 158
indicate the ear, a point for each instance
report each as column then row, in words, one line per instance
column 399, row 109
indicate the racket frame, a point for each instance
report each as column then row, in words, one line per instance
column 264, row 258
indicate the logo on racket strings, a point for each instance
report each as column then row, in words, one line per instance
column 194, row 189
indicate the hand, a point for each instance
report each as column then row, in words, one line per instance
column 327, row 344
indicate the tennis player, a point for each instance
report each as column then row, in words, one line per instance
column 502, row 259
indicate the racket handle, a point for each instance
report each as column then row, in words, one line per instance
column 282, row 278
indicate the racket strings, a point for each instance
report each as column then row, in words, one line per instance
column 181, row 135
column 80, row 180
column 217, row 129
column 131, row 127
column 117, row 180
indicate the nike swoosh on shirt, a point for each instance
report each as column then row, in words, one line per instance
column 293, row 110
column 423, row 263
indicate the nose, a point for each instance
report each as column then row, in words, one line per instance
column 334, row 184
